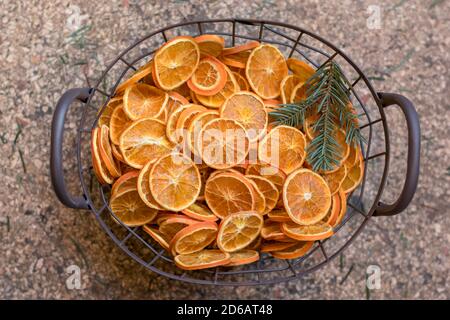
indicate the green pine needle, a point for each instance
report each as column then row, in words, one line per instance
column 327, row 95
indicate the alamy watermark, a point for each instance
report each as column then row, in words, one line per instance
column 73, row 281
column 373, row 277
column 373, row 22
column 75, row 19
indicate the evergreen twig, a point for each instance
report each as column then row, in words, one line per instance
column 326, row 95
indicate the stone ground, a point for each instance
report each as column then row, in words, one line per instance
column 47, row 47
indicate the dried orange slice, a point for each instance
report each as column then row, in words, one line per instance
column 196, row 125
column 163, row 115
column 116, row 153
column 298, row 93
column 184, row 120
column 272, row 103
column 237, row 57
column 283, row 147
column 204, row 173
column 306, row 197
column 143, row 187
column 335, row 179
column 260, row 201
column 308, row 127
column 164, row 215
column 215, row 101
column 279, row 216
column 193, row 97
column 105, row 151
column 143, row 101
column 318, row 231
column 143, row 141
column 354, row 176
column 175, row 62
column 223, row 143
column 171, row 124
column 139, row 74
column 353, row 156
column 204, row 259
column 199, row 211
column 148, row 79
column 342, row 207
column 241, row 257
column 183, row 91
column 298, row 250
column 209, row 77
column 256, row 244
column 334, row 211
column 175, row 182
column 300, row 68
column 238, row 230
column 247, row 109
column 241, row 167
column 126, row 182
column 250, row 45
column 236, row 60
column 173, row 223
column 242, row 82
column 117, row 125
column 268, row 190
column 130, row 209
column 273, row 174
column 218, row 172
column 228, row 171
column 159, row 237
column 107, row 111
column 272, row 231
column 175, row 100
column 100, row 170
column 210, row 44
column 227, row 193
column 287, row 87
column 265, row 70
column 193, row 238
column 239, row 71
column 126, row 168
column 272, row 246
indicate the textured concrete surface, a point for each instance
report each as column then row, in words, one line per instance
column 41, row 57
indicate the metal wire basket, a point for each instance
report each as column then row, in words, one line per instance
column 293, row 42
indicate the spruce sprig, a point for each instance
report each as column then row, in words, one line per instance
column 328, row 96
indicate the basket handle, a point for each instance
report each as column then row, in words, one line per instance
column 413, row 157
column 56, row 147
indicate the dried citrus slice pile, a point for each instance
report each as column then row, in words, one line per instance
column 187, row 146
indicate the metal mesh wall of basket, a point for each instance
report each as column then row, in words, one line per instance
column 293, row 42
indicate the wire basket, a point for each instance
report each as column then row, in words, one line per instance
column 293, row 41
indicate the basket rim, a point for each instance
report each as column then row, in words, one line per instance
column 254, row 22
